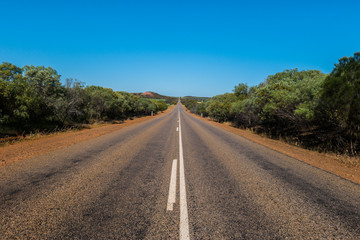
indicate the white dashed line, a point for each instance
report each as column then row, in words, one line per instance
column 172, row 187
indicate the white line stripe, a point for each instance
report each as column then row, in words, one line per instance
column 172, row 187
column 177, row 129
column 184, row 220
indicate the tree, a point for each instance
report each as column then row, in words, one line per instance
column 287, row 100
column 100, row 102
column 241, row 91
column 245, row 113
column 9, row 72
column 70, row 107
column 218, row 107
column 340, row 100
column 44, row 88
column 162, row 106
column 45, row 80
column 9, row 75
column 14, row 101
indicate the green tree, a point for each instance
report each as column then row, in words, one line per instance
column 70, row 106
column 246, row 111
column 43, row 89
column 340, row 101
column 101, row 103
column 10, row 75
column 241, row 91
column 162, row 106
column 218, row 107
column 287, row 100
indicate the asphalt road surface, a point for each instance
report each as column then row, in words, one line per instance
column 174, row 177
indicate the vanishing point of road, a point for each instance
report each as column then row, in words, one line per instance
column 174, row 177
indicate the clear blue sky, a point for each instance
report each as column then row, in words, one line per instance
column 178, row 48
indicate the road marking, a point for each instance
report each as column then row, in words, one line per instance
column 184, row 220
column 172, row 187
column 177, row 129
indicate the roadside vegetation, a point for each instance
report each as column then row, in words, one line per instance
column 33, row 98
column 307, row 108
column 158, row 97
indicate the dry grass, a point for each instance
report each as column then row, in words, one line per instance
column 5, row 141
column 9, row 140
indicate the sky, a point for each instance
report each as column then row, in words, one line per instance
column 178, row 48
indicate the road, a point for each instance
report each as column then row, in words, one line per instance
column 126, row 185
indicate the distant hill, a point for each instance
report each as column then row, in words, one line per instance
column 157, row 96
column 149, row 94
